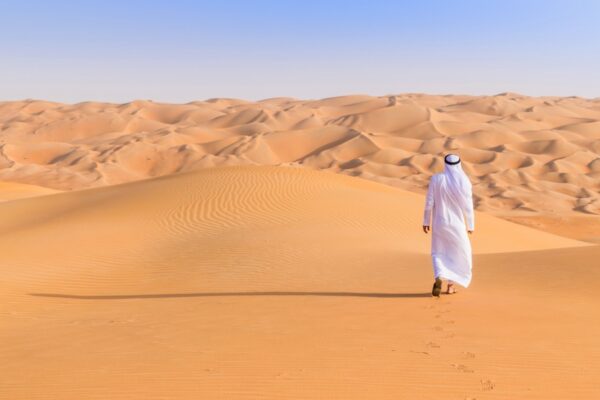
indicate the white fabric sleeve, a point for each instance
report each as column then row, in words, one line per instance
column 469, row 213
column 428, row 204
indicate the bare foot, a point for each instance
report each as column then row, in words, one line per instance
column 451, row 289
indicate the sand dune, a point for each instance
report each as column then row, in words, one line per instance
column 268, row 282
column 525, row 155
column 13, row 191
column 227, row 249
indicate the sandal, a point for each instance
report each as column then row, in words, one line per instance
column 437, row 287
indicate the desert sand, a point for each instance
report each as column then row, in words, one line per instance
column 233, row 250
column 524, row 154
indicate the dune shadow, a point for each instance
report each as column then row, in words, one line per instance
column 228, row 294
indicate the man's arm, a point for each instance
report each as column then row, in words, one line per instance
column 469, row 213
column 428, row 207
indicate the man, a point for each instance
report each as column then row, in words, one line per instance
column 450, row 199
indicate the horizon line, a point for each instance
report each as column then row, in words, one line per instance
column 209, row 99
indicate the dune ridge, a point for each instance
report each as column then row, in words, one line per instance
column 525, row 155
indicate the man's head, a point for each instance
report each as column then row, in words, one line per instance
column 452, row 159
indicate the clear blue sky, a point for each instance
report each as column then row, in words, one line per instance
column 178, row 51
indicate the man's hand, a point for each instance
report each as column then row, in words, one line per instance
column 470, row 232
column 426, row 228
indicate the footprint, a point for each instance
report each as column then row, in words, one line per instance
column 420, row 352
column 433, row 345
column 462, row 368
column 448, row 335
column 438, row 328
column 487, row 385
column 468, row 354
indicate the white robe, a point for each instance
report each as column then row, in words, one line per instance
column 449, row 197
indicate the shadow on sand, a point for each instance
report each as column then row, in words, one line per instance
column 224, row 294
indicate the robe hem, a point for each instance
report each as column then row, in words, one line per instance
column 454, row 278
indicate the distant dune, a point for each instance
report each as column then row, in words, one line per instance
column 262, row 282
column 525, row 155
column 13, row 191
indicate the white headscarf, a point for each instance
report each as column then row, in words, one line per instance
column 458, row 184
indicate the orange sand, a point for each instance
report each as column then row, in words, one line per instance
column 276, row 283
column 525, row 155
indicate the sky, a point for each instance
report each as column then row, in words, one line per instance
column 179, row 51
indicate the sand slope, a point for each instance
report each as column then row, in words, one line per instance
column 270, row 282
column 525, row 155
column 13, row 190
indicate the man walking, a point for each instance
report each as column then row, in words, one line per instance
column 450, row 200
